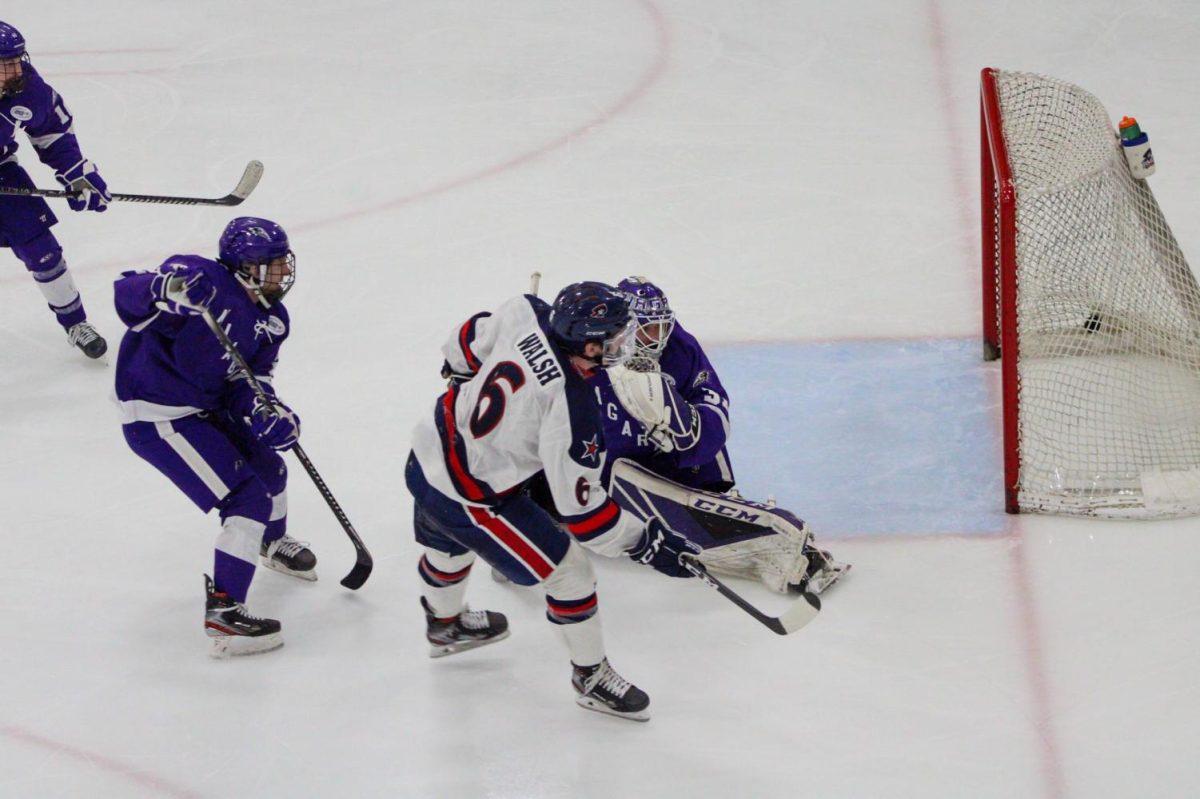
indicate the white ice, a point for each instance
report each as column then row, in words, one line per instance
column 802, row 178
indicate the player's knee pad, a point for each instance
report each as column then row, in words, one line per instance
column 250, row 500
column 573, row 577
column 42, row 256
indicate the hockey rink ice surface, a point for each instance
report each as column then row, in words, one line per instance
column 802, row 179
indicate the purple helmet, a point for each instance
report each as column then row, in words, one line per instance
column 590, row 312
column 12, row 58
column 655, row 319
column 257, row 252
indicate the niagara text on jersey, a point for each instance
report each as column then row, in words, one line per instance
column 525, row 410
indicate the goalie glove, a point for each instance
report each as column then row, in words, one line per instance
column 672, row 424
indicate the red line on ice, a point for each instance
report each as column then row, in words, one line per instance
column 101, row 762
column 639, row 89
column 650, row 77
column 1031, row 643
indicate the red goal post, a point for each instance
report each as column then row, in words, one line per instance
column 998, row 199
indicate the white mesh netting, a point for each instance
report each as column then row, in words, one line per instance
column 1108, row 318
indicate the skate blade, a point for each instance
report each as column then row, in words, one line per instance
column 308, row 576
column 226, row 646
column 441, row 651
column 833, row 578
column 587, row 703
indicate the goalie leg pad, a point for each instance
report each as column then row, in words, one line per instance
column 739, row 537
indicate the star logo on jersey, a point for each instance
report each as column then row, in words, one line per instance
column 591, row 447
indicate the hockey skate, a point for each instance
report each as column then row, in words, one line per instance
column 85, row 337
column 470, row 629
column 600, row 688
column 822, row 572
column 286, row 555
column 234, row 631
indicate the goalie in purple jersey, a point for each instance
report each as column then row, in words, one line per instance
column 666, row 411
column 27, row 102
column 187, row 410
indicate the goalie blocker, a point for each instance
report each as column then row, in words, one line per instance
column 739, row 537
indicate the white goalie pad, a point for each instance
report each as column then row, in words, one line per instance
column 738, row 537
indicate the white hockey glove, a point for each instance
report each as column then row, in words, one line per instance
column 672, row 424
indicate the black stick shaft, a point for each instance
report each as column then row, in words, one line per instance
column 803, row 612
column 250, row 178
column 363, row 561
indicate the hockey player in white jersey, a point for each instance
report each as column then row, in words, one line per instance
column 519, row 404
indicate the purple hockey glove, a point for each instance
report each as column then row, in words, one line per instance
column 278, row 427
column 93, row 191
column 183, row 290
column 660, row 549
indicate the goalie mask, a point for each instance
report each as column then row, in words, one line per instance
column 655, row 319
column 257, row 252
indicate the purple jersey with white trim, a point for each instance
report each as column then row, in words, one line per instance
column 172, row 365
column 707, row 463
column 43, row 115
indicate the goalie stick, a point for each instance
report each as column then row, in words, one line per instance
column 363, row 562
column 250, row 178
column 801, row 612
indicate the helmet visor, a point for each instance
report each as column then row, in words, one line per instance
column 620, row 346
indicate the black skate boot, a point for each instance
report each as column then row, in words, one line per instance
column 468, row 630
column 823, row 571
column 85, row 337
column 234, row 631
column 289, row 556
column 600, row 688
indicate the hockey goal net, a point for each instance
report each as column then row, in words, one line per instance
column 1091, row 303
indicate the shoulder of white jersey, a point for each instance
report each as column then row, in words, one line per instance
column 583, row 411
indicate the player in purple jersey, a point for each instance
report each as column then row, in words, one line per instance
column 695, row 453
column 27, row 102
column 189, row 412
column 668, row 412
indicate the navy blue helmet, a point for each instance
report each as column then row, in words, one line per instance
column 588, row 311
column 257, row 251
column 12, row 58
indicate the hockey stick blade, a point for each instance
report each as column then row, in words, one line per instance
column 801, row 612
column 249, row 180
column 363, row 563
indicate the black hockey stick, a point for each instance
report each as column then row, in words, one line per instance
column 250, row 179
column 801, row 612
column 363, row 562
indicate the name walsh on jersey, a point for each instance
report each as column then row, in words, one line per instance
column 543, row 365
